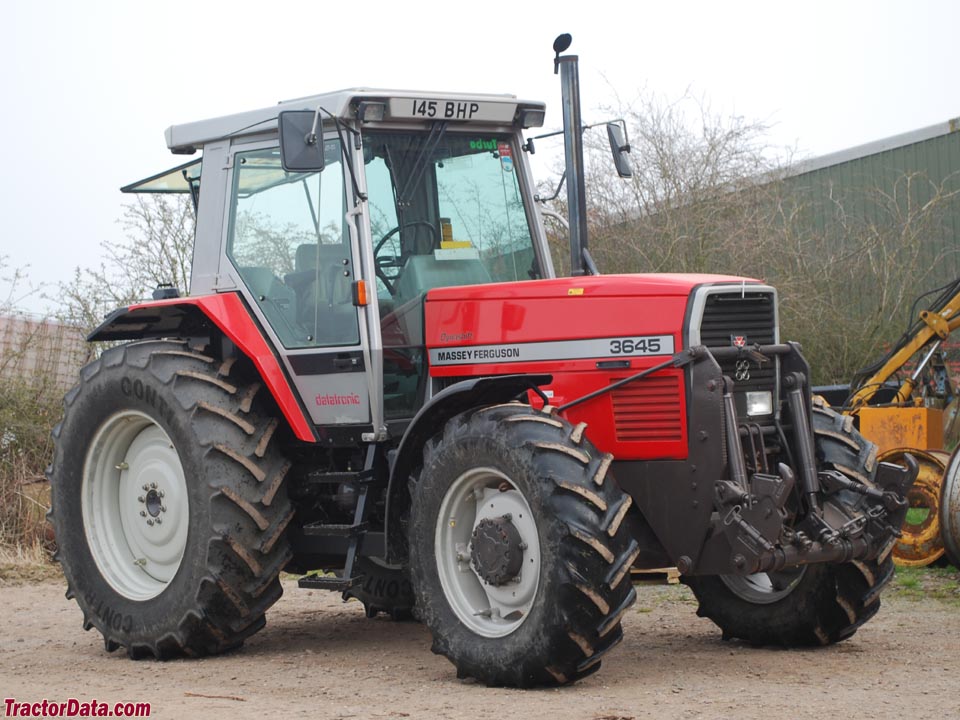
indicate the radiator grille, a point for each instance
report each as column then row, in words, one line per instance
column 649, row 410
column 752, row 315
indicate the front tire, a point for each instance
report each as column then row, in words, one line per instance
column 168, row 501
column 808, row 605
column 519, row 552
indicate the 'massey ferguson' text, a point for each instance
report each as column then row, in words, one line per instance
column 479, row 354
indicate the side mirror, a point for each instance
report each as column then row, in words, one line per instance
column 301, row 141
column 619, row 147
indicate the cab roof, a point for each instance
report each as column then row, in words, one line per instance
column 185, row 139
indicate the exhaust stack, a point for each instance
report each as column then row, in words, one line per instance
column 568, row 67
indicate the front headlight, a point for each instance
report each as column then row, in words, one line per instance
column 759, row 403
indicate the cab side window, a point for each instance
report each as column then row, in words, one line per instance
column 291, row 249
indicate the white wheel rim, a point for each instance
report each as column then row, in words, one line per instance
column 765, row 588
column 134, row 505
column 488, row 610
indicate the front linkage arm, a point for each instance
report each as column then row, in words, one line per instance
column 840, row 519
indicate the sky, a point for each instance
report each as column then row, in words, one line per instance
column 89, row 87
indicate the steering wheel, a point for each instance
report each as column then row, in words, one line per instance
column 395, row 261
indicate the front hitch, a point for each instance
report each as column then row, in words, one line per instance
column 840, row 519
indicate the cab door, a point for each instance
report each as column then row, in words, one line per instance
column 290, row 244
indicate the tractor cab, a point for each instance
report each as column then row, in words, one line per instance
column 334, row 253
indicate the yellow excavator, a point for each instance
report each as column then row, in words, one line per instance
column 905, row 402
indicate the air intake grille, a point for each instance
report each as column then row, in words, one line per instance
column 753, row 316
column 649, row 410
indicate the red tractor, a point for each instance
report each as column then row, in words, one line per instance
column 377, row 382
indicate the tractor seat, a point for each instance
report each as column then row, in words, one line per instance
column 324, row 296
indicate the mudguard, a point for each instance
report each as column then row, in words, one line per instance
column 183, row 317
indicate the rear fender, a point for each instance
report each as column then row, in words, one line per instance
column 192, row 316
column 451, row 401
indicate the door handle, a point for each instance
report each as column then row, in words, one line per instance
column 344, row 363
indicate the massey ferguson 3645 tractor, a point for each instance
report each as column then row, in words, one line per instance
column 377, row 382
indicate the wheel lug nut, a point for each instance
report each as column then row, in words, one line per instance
column 160, row 493
column 153, row 486
column 150, row 523
column 163, row 508
column 146, row 487
column 143, row 513
column 159, row 521
column 141, row 499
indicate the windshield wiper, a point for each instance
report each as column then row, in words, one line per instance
column 437, row 131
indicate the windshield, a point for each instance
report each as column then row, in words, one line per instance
column 445, row 209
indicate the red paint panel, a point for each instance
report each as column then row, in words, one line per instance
column 649, row 410
column 464, row 322
column 643, row 420
column 228, row 313
column 634, row 285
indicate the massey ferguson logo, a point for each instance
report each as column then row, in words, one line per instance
column 738, row 340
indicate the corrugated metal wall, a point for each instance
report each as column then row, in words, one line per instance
column 33, row 349
column 880, row 190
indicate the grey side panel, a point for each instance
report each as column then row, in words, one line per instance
column 335, row 399
column 206, row 247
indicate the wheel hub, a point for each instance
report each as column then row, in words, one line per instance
column 153, row 502
column 497, row 550
column 135, row 505
column 485, row 527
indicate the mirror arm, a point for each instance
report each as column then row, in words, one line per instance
column 556, row 192
column 343, row 144
column 311, row 137
column 588, row 262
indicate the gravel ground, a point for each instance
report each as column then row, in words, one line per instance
column 321, row 658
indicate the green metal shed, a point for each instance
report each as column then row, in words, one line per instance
column 907, row 184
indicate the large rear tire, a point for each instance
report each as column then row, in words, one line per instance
column 810, row 605
column 168, row 501
column 519, row 552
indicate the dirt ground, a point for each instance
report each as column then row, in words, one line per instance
column 321, row 658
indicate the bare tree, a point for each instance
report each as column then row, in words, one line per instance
column 709, row 194
column 16, row 285
column 848, row 266
column 157, row 250
column 29, row 405
column 692, row 199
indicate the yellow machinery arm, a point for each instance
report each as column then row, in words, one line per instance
column 902, row 426
column 936, row 325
